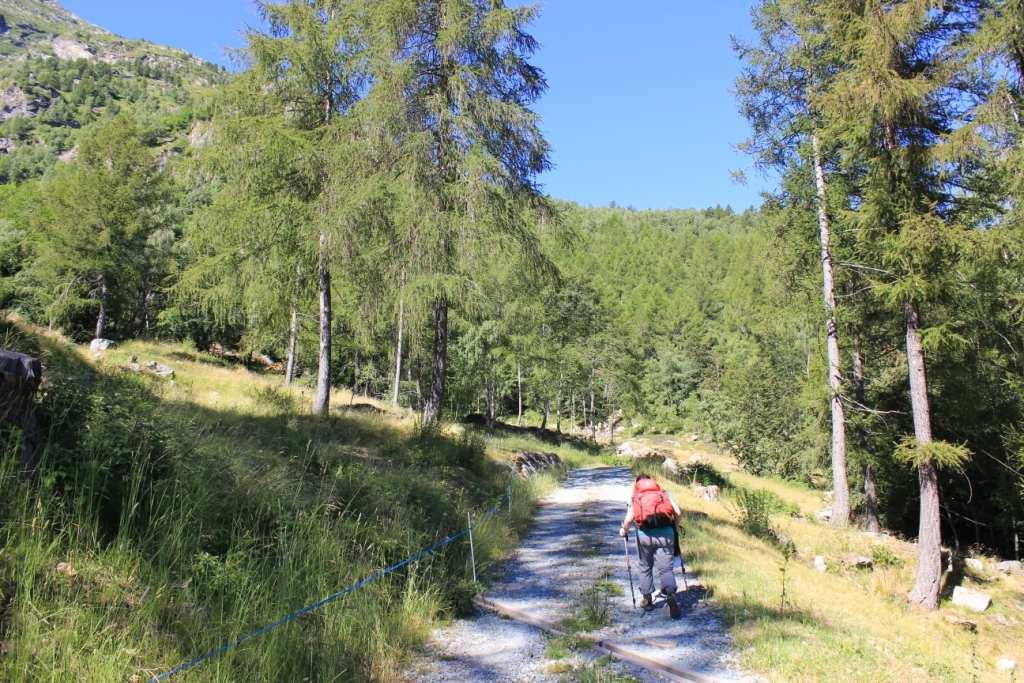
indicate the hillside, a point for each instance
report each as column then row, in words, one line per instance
column 182, row 512
column 59, row 74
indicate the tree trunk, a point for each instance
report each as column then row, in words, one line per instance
column 871, row 521
column 929, row 536
column 840, row 485
column 558, row 413
column 101, row 317
column 547, row 411
column 593, row 417
column 439, row 367
column 322, row 399
column 519, row 385
column 398, row 354
column 293, row 345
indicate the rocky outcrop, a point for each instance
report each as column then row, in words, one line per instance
column 68, row 49
column 4, row 27
column 526, row 463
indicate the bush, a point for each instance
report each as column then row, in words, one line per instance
column 755, row 509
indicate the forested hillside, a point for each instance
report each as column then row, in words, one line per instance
column 358, row 209
column 60, row 74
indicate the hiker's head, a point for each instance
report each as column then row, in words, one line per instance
column 640, row 477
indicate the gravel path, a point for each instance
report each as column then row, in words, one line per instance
column 545, row 579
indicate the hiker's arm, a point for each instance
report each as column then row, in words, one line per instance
column 627, row 521
column 675, row 507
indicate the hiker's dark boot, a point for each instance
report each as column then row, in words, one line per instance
column 646, row 604
column 673, row 606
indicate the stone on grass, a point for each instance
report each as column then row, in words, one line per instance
column 670, row 466
column 974, row 564
column 971, row 599
column 632, row 449
column 1010, row 567
column 825, row 514
column 159, row 369
column 820, row 564
column 98, row 346
column 859, row 561
column 709, row 493
column 1006, row 665
column 965, row 624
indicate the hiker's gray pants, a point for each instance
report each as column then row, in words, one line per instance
column 656, row 555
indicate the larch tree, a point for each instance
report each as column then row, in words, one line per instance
column 792, row 63
column 455, row 80
column 892, row 110
column 251, row 259
column 310, row 59
column 96, row 214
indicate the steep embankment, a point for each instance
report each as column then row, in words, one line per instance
column 175, row 513
column 791, row 621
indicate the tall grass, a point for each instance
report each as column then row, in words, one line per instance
column 171, row 519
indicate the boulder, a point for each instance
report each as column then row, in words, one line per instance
column 159, row 369
column 974, row 564
column 1010, row 567
column 670, row 466
column 526, row 463
column 820, row 564
column 825, row 514
column 858, row 561
column 709, row 493
column 632, row 449
column 976, row 601
column 1005, row 664
column 98, row 346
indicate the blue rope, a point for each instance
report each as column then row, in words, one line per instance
column 288, row 618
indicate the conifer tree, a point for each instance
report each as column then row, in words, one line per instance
column 892, row 109
column 96, row 214
column 454, row 80
column 309, row 59
column 251, row 255
column 793, row 63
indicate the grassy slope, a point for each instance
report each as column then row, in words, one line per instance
column 846, row 624
column 238, row 507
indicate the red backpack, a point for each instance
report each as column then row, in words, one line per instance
column 651, row 505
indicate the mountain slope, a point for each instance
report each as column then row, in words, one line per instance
column 59, row 74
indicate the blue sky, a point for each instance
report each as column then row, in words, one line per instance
column 639, row 111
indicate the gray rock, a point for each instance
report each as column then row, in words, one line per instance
column 632, row 449
column 98, row 346
column 1010, row 567
column 976, row 601
column 859, row 561
column 825, row 514
column 974, row 564
column 159, row 370
column 820, row 564
column 1005, row 664
column 670, row 466
column 709, row 493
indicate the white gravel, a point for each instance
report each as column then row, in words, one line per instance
column 573, row 544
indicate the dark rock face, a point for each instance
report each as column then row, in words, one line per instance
column 20, row 377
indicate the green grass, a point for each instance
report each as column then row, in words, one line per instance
column 845, row 624
column 174, row 515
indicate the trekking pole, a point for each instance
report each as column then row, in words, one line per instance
column 472, row 550
column 629, row 569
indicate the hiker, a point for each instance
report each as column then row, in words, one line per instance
column 654, row 513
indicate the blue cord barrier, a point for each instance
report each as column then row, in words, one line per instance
column 216, row 652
